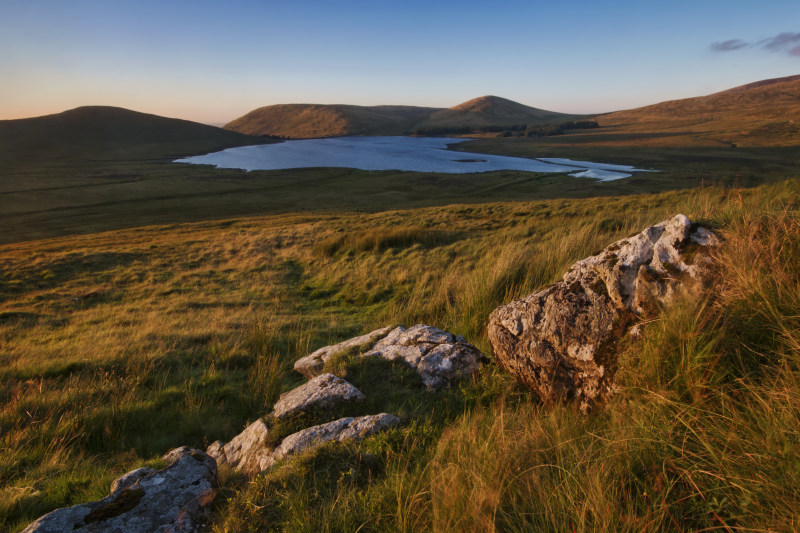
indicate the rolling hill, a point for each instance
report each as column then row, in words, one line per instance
column 763, row 113
column 300, row 121
column 490, row 111
column 109, row 133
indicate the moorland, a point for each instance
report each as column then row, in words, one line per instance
column 146, row 305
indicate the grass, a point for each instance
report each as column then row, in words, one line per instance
column 117, row 346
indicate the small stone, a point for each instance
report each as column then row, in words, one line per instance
column 324, row 390
column 348, row 428
column 439, row 357
column 312, row 364
column 246, row 452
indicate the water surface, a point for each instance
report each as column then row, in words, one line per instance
column 416, row 154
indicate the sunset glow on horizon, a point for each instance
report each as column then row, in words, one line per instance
column 213, row 61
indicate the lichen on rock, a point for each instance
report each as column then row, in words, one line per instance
column 176, row 498
column 439, row 357
column 560, row 340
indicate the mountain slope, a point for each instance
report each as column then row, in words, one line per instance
column 107, row 133
column 300, row 121
column 766, row 112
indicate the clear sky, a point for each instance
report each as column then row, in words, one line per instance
column 212, row 61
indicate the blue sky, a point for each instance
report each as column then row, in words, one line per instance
column 212, row 61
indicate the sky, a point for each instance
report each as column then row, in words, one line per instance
column 213, row 61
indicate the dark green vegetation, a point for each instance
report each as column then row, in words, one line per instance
column 300, row 121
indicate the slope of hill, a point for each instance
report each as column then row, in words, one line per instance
column 302, row 121
column 757, row 114
column 490, row 111
column 109, row 133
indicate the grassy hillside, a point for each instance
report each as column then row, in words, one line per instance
column 107, row 134
column 765, row 113
column 117, row 346
column 302, row 121
column 490, row 111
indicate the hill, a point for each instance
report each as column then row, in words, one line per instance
column 300, row 121
column 757, row 114
column 490, row 111
column 109, row 133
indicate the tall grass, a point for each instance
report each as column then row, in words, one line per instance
column 703, row 435
column 116, row 347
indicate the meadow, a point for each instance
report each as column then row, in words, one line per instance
column 118, row 345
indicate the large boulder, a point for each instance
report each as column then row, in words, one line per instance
column 560, row 340
column 176, row 498
column 438, row 357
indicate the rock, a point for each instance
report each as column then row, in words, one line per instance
column 348, row 428
column 312, row 364
column 246, row 452
column 560, row 340
column 250, row 453
column 176, row 498
column 324, row 390
column 438, row 357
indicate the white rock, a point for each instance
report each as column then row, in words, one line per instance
column 312, row 364
column 324, row 390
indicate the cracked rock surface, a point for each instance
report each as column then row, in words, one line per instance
column 176, row 498
column 439, row 357
column 559, row 340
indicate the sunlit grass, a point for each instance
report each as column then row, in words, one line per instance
column 115, row 347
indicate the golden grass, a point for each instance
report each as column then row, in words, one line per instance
column 117, row 346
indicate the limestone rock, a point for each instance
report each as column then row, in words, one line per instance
column 324, row 390
column 348, row 428
column 176, row 498
column 559, row 340
column 312, row 364
column 246, row 452
column 438, row 357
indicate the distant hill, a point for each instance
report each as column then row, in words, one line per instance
column 757, row 114
column 302, row 121
column 316, row 120
column 488, row 111
column 110, row 133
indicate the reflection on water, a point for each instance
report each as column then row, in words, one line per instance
column 417, row 154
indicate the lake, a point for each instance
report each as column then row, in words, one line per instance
column 416, row 154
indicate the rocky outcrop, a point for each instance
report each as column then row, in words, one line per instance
column 313, row 363
column 349, row 428
column 247, row 452
column 438, row 357
column 560, row 340
column 176, row 498
column 250, row 452
column 325, row 390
